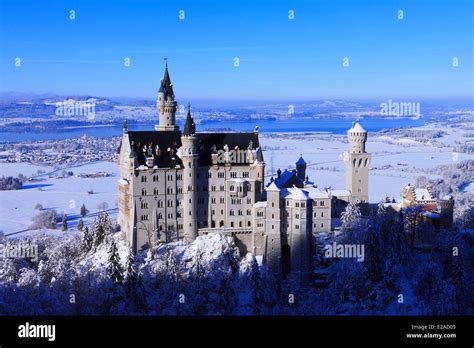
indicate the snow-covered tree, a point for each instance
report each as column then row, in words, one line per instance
column 412, row 219
column 458, row 270
column 350, row 219
column 87, row 240
column 372, row 254
column 114, row 268
column 83, row 210
column 80, row 225
column 64, row 222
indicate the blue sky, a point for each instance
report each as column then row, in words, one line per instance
column 280, row 59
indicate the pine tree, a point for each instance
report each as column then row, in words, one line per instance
column 83, row 211
column 458, row 271
column 80, row 225
column 412, row 217
column 350, row 219
column 53, row 220
column 64, row 223
column 130, row 273
column 87, row 240
column 372, row 255
column 114, row 268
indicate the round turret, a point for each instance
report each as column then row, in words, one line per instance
column 357, row 137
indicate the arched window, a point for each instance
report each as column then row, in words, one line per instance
column 144, row 192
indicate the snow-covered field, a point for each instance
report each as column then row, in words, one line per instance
column 395, row 163
column 65, row 195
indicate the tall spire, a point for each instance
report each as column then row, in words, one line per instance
column 166, row 86
column 189, row 126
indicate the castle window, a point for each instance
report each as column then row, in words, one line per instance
column 249, row 212
column 246, row 174
column 220, row 175
column 170, row 203
column 231, row 213
column 144, row 178
column 232, row 224
column 322, row 214
column 222, row 188
column 303, row 205
column 144, row 205
column 232, row 188
column 170, row 215
column 213, row 188
column 144, row 218
column 273, row 216
column 297, row 204
column 233, row 174
column 297, row 227
column 297, row 216
column 222, row 200
column 273, row 204
column 160, row 216
column 213, row 200
column 241, row 212
column 180, row 190
column 160, row 204
column 322, row 225
column 322, row 203
column 249, row 224
column 240, row 223
column 156, row 191
column 143, row 192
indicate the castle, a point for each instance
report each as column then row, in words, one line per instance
column 177, row 185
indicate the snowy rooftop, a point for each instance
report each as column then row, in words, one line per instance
column 422, row 194
column 340, row 193
column 295, row 193
column 357, row 128
column 261, row 204
column 272, row 187
column 315, row 192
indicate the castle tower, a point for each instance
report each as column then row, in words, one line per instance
column 273, row 247
column 301, row 168
column 166, row 105
column 189, row 157
column 447, row 211
column 357, row 162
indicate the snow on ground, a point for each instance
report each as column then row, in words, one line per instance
column 13, row 169
column 65, row 195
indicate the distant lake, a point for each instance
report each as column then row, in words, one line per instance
column 324, row 125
